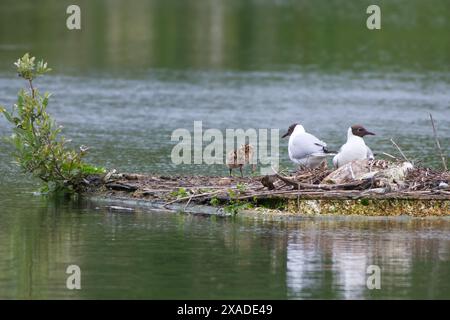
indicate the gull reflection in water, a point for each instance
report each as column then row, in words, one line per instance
column 330, row 259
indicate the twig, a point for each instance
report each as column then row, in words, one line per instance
column 146, row 192
column 272, row 193
column 120, row 186
column 400, row 150
column 193, row 196
column 352, row 185
column 390, row 156
column 438, row 144
column 187, row 203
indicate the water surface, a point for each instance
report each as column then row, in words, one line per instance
column 139, row 70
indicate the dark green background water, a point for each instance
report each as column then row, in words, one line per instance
column 140, row 69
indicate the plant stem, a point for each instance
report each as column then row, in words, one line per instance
column 438, row 144
column 31, row 87
column 400, row 150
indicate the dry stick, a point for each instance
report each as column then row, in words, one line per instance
column 350, row 185
column 438, row 144
column 400, row 150
column 390, row 155
column 169, row 188
column 187, row 203
column 298, row 185
column 310, row 192
column 150, row 191
column 272, row 193
column 193, row 196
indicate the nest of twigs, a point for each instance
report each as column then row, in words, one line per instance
column 426, row 178
column 381, row 182
column 386, row 174
column 311, row 176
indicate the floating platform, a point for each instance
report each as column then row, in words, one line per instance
column 274, row 195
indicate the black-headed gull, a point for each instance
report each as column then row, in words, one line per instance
column 355, row 148
column 304, row 148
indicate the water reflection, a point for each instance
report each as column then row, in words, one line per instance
column 333, row 256
column 37, row 244
column 227, row 34
column 160, row 255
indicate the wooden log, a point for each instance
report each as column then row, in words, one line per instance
column 119, row 186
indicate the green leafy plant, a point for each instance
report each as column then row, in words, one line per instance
column 235, row 205
column 180, row 193
column 214, row 201
column 40, row 149
column 241, row 187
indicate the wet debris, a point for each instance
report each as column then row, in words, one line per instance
column 362, row 179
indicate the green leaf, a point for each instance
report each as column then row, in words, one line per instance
column 7, row 115
column 45, row 100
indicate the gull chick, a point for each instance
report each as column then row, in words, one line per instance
column 240, row 157
column 304, row 148
column 355, row 148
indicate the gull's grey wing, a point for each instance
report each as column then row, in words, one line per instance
column 305, row 145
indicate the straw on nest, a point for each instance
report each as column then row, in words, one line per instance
column 311, row 176
column 391, row 175
column 426, row 178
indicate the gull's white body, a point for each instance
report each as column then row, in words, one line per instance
column 305, row 149
column 354, row 149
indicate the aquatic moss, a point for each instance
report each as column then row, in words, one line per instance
column 371, row 207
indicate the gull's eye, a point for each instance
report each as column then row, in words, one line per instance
column 360, row 129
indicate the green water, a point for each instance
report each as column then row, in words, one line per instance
column 140, row 69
